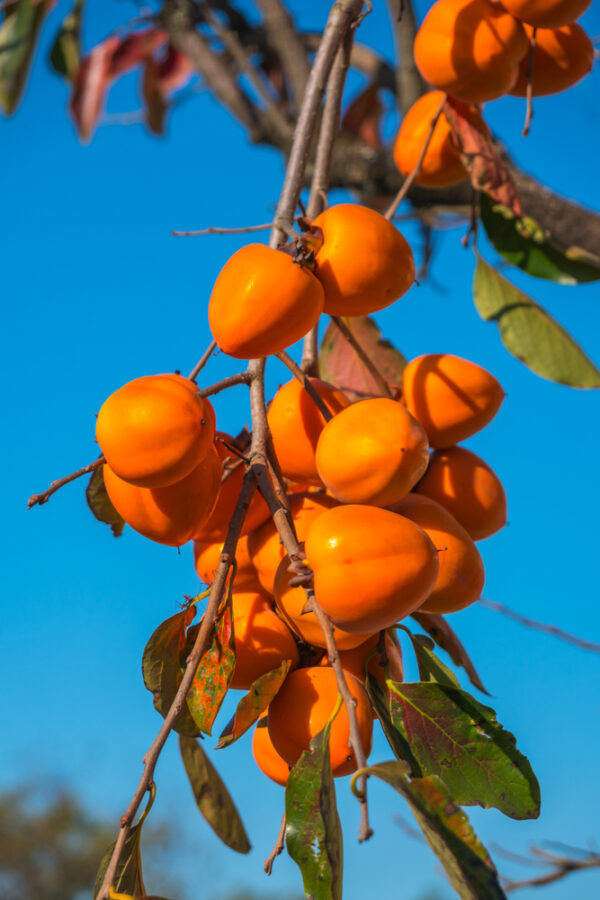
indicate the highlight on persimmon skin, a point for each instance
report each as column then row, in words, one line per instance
column 561, row 58
column 262, row 640
column 364, row 263
column 468, row 488
column 451, row 397
column 206, row 560
column 296, row 423
column 371, row 566
column 290, row 602
column 155, row 429
column 461, row 574
column 441, row 165
column 373, row 452
column 266, row 756
column 470, row 49
column 169, row 515
column 547, row 13
column 302, row 708
column 262, row 302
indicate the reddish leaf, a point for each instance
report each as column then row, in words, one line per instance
column 253, row 703
column 212, row 678
column 91, row 83
column 174, row 70
column 134, row 49
column 486, row 169
column 340, row 365
column 444, row 636
column 363, row 117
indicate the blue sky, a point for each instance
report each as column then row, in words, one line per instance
column 98, row 292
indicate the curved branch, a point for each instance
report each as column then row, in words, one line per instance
column 410, row 84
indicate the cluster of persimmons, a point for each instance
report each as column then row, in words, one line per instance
column 386, row 505
column 479, row 50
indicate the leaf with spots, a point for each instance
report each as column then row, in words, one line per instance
column 212, row 797
column 448, row 832
column 445, row 637
column 452, row 735
column 162, row 667
column 214, row 672
column 254, row 703
column 313, row 831
column 100, row 503
column 128, row 876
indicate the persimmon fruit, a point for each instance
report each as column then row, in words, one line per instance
column 262, row 302
column 561, row 57
column 262, row 640
column 373, row 452
column 547, row 13
column 451, row 397
column 371, row 566
column 207, row 556
column 364, row 263
column 301, row 709
column 154, row 430
column 368, row 658
column 266, row 756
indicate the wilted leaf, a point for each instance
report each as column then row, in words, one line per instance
column 523, row 243
column 448, row 832
column 212, row 797
column 480, row 157
column 134, row 48
column 445, row 637
column 65, row 55
column 529, row 332
column 100, row 503
column 214, row 672
column 174, row 70
column 162, row 670
column 253, row 703
column 18, row 36
column 90, row 86
column 313, row 831
column 452, row 735
column 363, row 117
column 128, row 876
column 340, row 365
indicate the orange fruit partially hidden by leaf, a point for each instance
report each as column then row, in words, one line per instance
column 266, row 756
column 262, row 640
column 561, row 58
column 207, row 556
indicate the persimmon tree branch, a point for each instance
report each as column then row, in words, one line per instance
column 39, row 499
column 203, row 360
column 540, row 626
column 288, row 45
column 561, row 866
column 304, row 380
column 224, row 383
column 277, row 849
column 410, row 84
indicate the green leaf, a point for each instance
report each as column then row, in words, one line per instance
column 444, row 636
column 522, row 242
column 215, row 670
column 212, row 797
column 339, row 364
column 253, row 703
column 529, row 333
column 100, row 503
column 395, row 738
column 448, row 832
column 452, row 735
column 65, row 55
column 313, row 831
column 430, row 667
column 162, row 670
column 128, row 876
column 18, row 37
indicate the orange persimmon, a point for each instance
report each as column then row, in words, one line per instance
column 561, row 58
column 262, row 640
column 266, row 756
column 206, row 559
column 547, row 13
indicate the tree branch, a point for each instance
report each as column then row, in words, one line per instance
column 288, row 45
column 410, row 84
column 40, row 499
column 304, row 380
column 540, row 626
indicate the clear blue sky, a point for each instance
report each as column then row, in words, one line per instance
column 97, row 292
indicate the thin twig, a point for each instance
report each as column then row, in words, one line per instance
column 244, row 229
column 364, row 357
column 203, row 360
column 409, row 81
column 540, row 626
column 288, row 44
column 305, row 381
column 562, row 866
column 40, row 499
column 224, row 383
column 278, row 847
column 410, row 179
column 529, row 86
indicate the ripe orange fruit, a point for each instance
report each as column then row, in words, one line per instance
column 262, row 302
column 154, row 430
column 547, row 13
column 264, row 546
column 470, row 49
column 302, row 708
column 451, row 397
column 364, row 262
column 468, row 488
column 290, row 602
column 266, row 756
column 355, row 661
column 215, row 529
column 206, row 558
column 296, row 423
column 461, row 574
column 169, row 515
column 262, row 640
column 441, row 165
column 561, row 58
column 371, row 566
column 372, row 452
